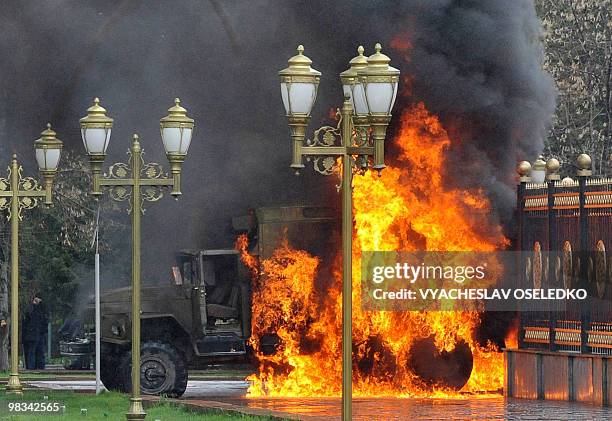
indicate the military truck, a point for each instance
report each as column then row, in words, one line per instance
column 202, row 313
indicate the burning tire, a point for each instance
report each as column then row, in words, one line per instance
column 162, row 370
column 441, row 368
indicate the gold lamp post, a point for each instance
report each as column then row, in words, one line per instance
column 370, row 88
column 18, row 193
column 147, row 182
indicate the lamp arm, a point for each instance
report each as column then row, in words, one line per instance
column 298, row 127
column 176, row 162
column 175, row 170
column 379, row 126
column 351, row 136
column 95, row 163
column 48, row 181
column 152, row 175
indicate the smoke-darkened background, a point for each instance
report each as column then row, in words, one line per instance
column 477, row 64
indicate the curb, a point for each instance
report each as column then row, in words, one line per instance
column 221, row 407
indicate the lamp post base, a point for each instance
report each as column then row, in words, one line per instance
column 136, row 411
column 14, row 385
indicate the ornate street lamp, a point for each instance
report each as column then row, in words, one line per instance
column 353, row 88
column 176, row 130
column 538, row 170
column 96, row 132
column 370, row 88
column 299, row 85
column 379, row 83
column 16, row 194
column 147, row 182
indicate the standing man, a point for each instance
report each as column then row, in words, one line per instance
column 34, row 334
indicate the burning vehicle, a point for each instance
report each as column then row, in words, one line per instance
column 298, row 296
column 201, row 315
column 277, row 294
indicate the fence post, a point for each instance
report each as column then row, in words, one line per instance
column 523, row 170
column 584, row 170
column 552, row 175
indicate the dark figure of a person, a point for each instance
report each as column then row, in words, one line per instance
column 34, row 334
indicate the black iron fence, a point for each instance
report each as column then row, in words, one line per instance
column 565, row 230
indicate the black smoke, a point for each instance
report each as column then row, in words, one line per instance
column 477, row 64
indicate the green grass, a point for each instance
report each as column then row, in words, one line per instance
column 107, row 406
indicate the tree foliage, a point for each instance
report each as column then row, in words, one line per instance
column 55, row 245
column 578, row 43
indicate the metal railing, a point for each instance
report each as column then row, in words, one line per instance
column 564, row 232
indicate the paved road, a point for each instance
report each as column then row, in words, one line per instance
column 433, row 409
column 195, row 388
column 493, row 408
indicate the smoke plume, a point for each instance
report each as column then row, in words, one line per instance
column 477, row 64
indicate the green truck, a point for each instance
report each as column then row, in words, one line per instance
column 202, row 313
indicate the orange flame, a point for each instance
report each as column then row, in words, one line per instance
column 408, row 208
column 511, row 339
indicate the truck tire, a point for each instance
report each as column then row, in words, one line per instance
column 163, row 370
column 436, row 367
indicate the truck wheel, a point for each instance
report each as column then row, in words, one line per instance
column 436, row 367
column 163, row 370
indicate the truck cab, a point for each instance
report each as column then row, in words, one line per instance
column 221, row 299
